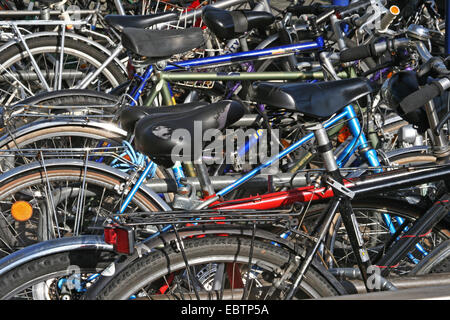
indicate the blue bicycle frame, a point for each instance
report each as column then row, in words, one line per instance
column 359, row 141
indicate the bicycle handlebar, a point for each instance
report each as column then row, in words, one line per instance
column 315, row 9
column 428, row 92
column 372, row 50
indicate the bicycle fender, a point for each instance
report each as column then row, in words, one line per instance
column 46, row 124
column 51, row 247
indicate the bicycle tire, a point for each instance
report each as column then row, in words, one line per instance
column 73, row 97
column 209, row 250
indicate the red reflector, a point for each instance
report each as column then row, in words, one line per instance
column 131, row 71
column 121, row 237
column 110, row 235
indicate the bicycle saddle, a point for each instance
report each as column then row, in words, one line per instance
column 129, row 116
column 156, row 136
column 316, row 100
column 120, row 22
column 230, row 24
column 161, row 44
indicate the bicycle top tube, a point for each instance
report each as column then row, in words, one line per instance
column 249, row 55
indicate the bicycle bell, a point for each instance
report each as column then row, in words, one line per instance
column 418, row 32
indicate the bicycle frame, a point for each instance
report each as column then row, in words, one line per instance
column 359, row 141
column 227, row 59
column 376, row 183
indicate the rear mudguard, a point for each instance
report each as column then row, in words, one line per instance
column 60, row 122
column 51, row 247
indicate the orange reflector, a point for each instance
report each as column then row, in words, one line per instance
column 285, row 143
column 394, row 10
column 21, row 211
column 344, row 133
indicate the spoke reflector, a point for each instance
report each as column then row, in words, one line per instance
column 21, row 211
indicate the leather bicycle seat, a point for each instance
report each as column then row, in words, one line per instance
column 129, row 116
column 231, row 24
column 161, row 44
column 316, row 100
column 121, row 22
column 154, row 134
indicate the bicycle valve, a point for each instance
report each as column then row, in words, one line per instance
column 388, row 18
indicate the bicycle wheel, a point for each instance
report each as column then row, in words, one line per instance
column 220, row 268
column 59, row 139
column 89, row 103
column 20, row 80
column 63, row 198
column 61, row 276
column 377, row 217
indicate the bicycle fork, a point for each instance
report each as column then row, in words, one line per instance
column 341, row 202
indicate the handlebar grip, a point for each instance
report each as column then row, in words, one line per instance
column 298, row 10
column 373, row 50
column 357, row 53
column 420, row 97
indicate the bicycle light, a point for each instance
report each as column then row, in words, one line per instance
column 121, row 237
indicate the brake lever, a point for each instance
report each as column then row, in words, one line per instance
column 434, row 67
column 432, row 8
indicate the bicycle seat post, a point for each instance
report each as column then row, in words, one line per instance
column 325, row 148
column 203, row 177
